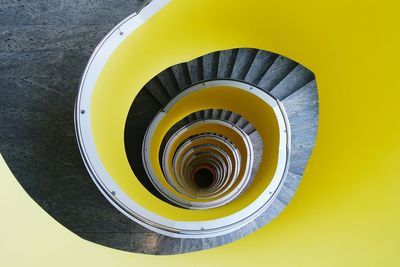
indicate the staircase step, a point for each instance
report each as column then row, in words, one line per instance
column 302, row 110
column 302, row 107
column 169, row 82
column 210, row 65
column 281, row 67
column 227, row 60
column 168, row 245
column 258, row 146
column 208, row 114
column 182, row 76
column 227, row 115
column 195, row 68
column 272, row 211
column 242, row 122
column 234, row 117
column 295, row 80
column 143, row 111
column 222, row 114
column 249, row 129
column 292, row 180
column 286, row 194
column 262, row 62
column 139, row 117
column 248, row 229
column 244, row 59
column 191, row 245
column 198, row 115
column 216, row 113
column 217, row 241
column 157, row 90
column 191, row 117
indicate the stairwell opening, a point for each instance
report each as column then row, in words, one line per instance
column 211, row 156
column 203, row 178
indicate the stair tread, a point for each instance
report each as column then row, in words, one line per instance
column 233, row 117
column 242, row 122
column 295, row 80
column 169, row 82
column 195, row 68
column 243, row 62
column 191, row 245
column 168, row 245
column 226, row 61
column 155, row 88
column 182, row 76
column 281, row 67
column 210, row 65
column 262, row 62
column 302, row 107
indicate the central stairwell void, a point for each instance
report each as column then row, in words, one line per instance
column 206, row 151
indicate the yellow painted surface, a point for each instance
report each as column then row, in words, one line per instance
column 346, row 211
column 259, row 113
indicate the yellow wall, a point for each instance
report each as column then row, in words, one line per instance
column 346, row 211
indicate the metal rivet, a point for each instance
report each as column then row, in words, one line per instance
column 113, row 193
column 121, row 33
column 82, row 111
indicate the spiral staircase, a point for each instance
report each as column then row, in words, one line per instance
column 152, row 117
column 287, row 82
column 213, row 148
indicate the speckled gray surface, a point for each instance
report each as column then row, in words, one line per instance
column 44, row 47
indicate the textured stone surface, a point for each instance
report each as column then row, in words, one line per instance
column 226, row 62
column 296, row 79
column 50, row 37
column 281, row 67
column 210, row 65
column 144, row 242
column 44, row 48
column 181, row 73
column 244, row 59
column 65, row 12
column 195, row 68
column 168, row 245
column 262, row 62
column 302, row 110
column 217, row 241
column 191, row 245
column 31, row 161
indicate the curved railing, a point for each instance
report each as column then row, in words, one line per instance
column 213, row 146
